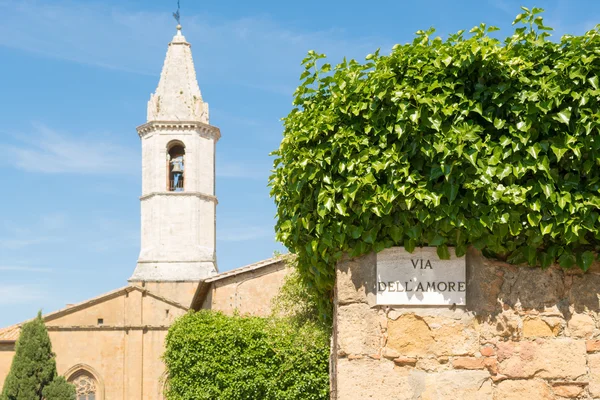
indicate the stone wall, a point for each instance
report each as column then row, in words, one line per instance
column 525, row 333
column 7, row 352
column 248, row 293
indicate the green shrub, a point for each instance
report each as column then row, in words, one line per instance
column 467, row 141
column 213, row 356
column 59, row 389
column 297, row 302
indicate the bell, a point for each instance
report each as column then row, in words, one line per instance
column 177, row 167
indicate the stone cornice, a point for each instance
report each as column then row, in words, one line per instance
column 196, row 194
column 205, row 130
column 56, row 328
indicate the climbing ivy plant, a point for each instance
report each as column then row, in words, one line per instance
column 457, row 142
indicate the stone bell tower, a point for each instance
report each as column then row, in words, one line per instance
column 178, row 181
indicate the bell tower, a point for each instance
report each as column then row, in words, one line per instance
column 178, row 202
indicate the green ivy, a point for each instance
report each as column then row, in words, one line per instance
column 467, row 141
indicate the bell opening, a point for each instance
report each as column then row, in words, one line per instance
column 176, row 167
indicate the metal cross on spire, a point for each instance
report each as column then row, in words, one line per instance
column 176, row 15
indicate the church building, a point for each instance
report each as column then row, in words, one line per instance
column 110, row 347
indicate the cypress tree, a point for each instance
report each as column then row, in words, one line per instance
column 33, row 366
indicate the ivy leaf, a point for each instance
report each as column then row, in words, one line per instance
column 564, row 116
column 587, row 258
column 534, row 219
column 566, row 260
column 443, row 253
column 546, row 227
column 356, row 232
column 451, row 191
column 545, row 259
column 558, row 151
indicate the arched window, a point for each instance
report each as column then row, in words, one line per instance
column 86, row 387
column 88, row 384
column 176, row 166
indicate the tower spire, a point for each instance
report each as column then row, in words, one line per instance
column 178, row 97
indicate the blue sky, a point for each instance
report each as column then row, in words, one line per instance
column 75, row 77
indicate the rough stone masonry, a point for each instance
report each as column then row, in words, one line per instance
column 525, row 333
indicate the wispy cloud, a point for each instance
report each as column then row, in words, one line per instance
column 21, row 268
column 48, row 151
column 111, row 37
column 19, row 243
column 11, row 294
column 46, row 228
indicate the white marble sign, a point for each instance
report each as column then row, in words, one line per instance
column 420, row 278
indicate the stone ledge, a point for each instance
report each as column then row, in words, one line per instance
column 55, row 328
column 208, row 131
column 195, row 194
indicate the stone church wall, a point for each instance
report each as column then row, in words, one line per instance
column 7, row 352
column 248, row 293
column 525, row 333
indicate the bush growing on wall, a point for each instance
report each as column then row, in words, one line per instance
column 284, row 357
column 468, row 141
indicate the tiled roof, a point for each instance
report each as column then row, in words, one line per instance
column 10, row 334
column 247, row 268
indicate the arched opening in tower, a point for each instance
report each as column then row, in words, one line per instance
column 176, row 166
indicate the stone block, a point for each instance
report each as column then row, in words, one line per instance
column 533, row 288
column 551, row 359
column 412, row 335
column 358, row 329
column 484, row 282
column 464, row 385
column 523, row 389
column 584, row 293
column 568, row 389
column 390, row 353
column 487, row 351
column 594, row 366
column 356, row 280
column 581, row 326
column 468, row 363
column 433, row 364
column 402, row 361
column 372, row 379
column 536, row 327
column 592, row 346
column 454, row 338
column 507, row 324
column 491, row 364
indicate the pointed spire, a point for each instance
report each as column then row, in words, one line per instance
column 178, row 96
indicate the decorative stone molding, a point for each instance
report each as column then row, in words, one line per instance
column 88, row 328
column 204, row 130
column 204, row 196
